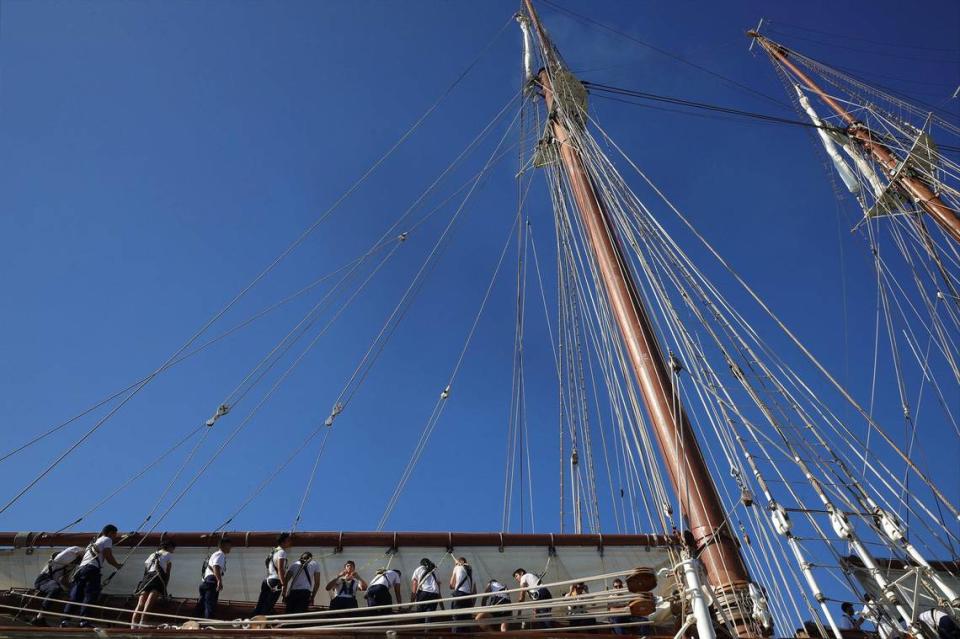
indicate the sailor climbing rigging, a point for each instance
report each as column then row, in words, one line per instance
column 302, row 583
column 54, row 580
column 577, row 612
column 850, row 620
column 344, row 588
column 156, row 575
column 425, row 587
column 532, row 589
column 274, row 585
column 378, row 594
column 463, row 587
column 86, row 582
column 214, row 569
column 496, row 596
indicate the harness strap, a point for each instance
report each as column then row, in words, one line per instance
column 423, row 578
column 468, row 576
column 347, row 589
column 300, row 570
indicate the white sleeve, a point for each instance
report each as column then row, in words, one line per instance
column 104, row 543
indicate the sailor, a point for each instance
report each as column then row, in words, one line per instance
column 576, row 613
column 496, row 596
column 274, row 585
column 344, row 588
column 378, row 594
column 850, row 619
column 425, row 587
column 532, row 589
column 86, row 582
column 54, row 580
column 940, row 624
column 303, row 582
column 214, row 569
column 874, row 612
column 463, row 587
column 156, row 576
column 621, row 608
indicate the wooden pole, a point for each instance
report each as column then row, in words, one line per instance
column 691, row 479
column 916, row 188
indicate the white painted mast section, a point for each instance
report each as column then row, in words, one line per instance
column 527, row 49
column 894, row 532
column 846, row 173
column 701, row 610
column 844, row 529
column 780, row 521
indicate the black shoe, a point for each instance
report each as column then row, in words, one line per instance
column 86, row 624
column 38, row 621
column 64, row 624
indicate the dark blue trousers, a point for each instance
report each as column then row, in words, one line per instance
column 85, row 590
column 542, row 594
column 463, row 600
column 427, row 602
column 207, row 603
column 378, row 595
column 49, row 587
column 297, row 601
column 344, row 602
column 269, row 594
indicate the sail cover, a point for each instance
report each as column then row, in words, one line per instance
column 492, row 555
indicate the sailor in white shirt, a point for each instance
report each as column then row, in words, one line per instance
column 463, row 589
column 156, row 576
column 54, row 579
column 86, row 582
column 940, row 624
column 214, row 568
column 873, row 612
column 532, row 589
column 344, row 588
column 275, row 583
column 303, row 582
column 378, row 593
column 495, row 597
column 425, row 587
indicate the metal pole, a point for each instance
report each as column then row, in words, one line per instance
column 916, row 188
column 691, row 479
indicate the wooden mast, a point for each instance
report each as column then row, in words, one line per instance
column 916, row 188
column 689, row 475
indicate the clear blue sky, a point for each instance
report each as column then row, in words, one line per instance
column 154, row 156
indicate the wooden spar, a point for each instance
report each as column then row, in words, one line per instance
column 691, row 479
column 916, row 188
column 335, row 539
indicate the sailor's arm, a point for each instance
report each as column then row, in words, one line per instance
column 282, row 574
column 316, row 588
column 108, row 555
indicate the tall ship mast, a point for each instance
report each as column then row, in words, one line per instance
column 751, row 491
